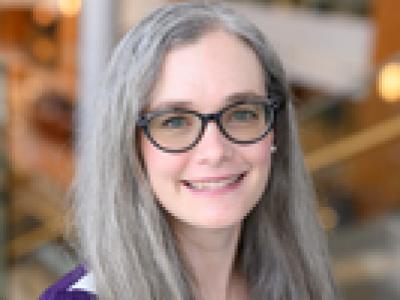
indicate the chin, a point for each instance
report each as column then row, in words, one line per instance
column 216, row 223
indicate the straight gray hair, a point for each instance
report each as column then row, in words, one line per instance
column 122, row 234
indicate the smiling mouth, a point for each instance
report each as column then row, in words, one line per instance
column 214, row 184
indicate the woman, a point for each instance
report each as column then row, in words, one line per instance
column 192, row 184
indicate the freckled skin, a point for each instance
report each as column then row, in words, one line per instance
column 206, row 73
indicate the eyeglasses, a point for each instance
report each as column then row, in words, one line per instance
column 178, row 130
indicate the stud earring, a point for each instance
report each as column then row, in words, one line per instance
column 273, row 148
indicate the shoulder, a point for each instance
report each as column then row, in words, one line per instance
column 75, row 285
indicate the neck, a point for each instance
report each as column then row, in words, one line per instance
column 210, row 256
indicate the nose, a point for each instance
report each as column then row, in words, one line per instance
column 213, row 148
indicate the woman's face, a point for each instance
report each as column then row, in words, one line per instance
column 196, row 187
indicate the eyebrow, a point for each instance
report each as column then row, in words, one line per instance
column 185, row 104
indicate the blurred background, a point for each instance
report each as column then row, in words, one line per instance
column 343, row 61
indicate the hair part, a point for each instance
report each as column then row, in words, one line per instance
column 124, row 237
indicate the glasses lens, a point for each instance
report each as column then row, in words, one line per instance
column 175, row 130
column 246, row 121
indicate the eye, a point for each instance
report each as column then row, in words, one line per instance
column 175, row 122
column 244, row 115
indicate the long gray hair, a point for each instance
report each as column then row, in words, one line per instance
column 124, row 238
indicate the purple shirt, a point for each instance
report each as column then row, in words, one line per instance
column 61, row 290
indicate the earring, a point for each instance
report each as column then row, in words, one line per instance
column 273, row 148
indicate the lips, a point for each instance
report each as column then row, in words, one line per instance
column 213, row 183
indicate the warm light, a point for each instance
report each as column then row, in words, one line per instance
column 389, row 82
column 69, row 7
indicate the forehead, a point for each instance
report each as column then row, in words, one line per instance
column 208, row 71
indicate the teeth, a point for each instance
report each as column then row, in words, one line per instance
column 213, row 184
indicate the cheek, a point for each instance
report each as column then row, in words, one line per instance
column 259, row 157
column 161, row 166
column 260, row 154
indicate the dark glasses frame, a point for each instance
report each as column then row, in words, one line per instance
column 271, row 107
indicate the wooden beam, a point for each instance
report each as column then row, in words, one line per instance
column 28, row 242
column 354, row 144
